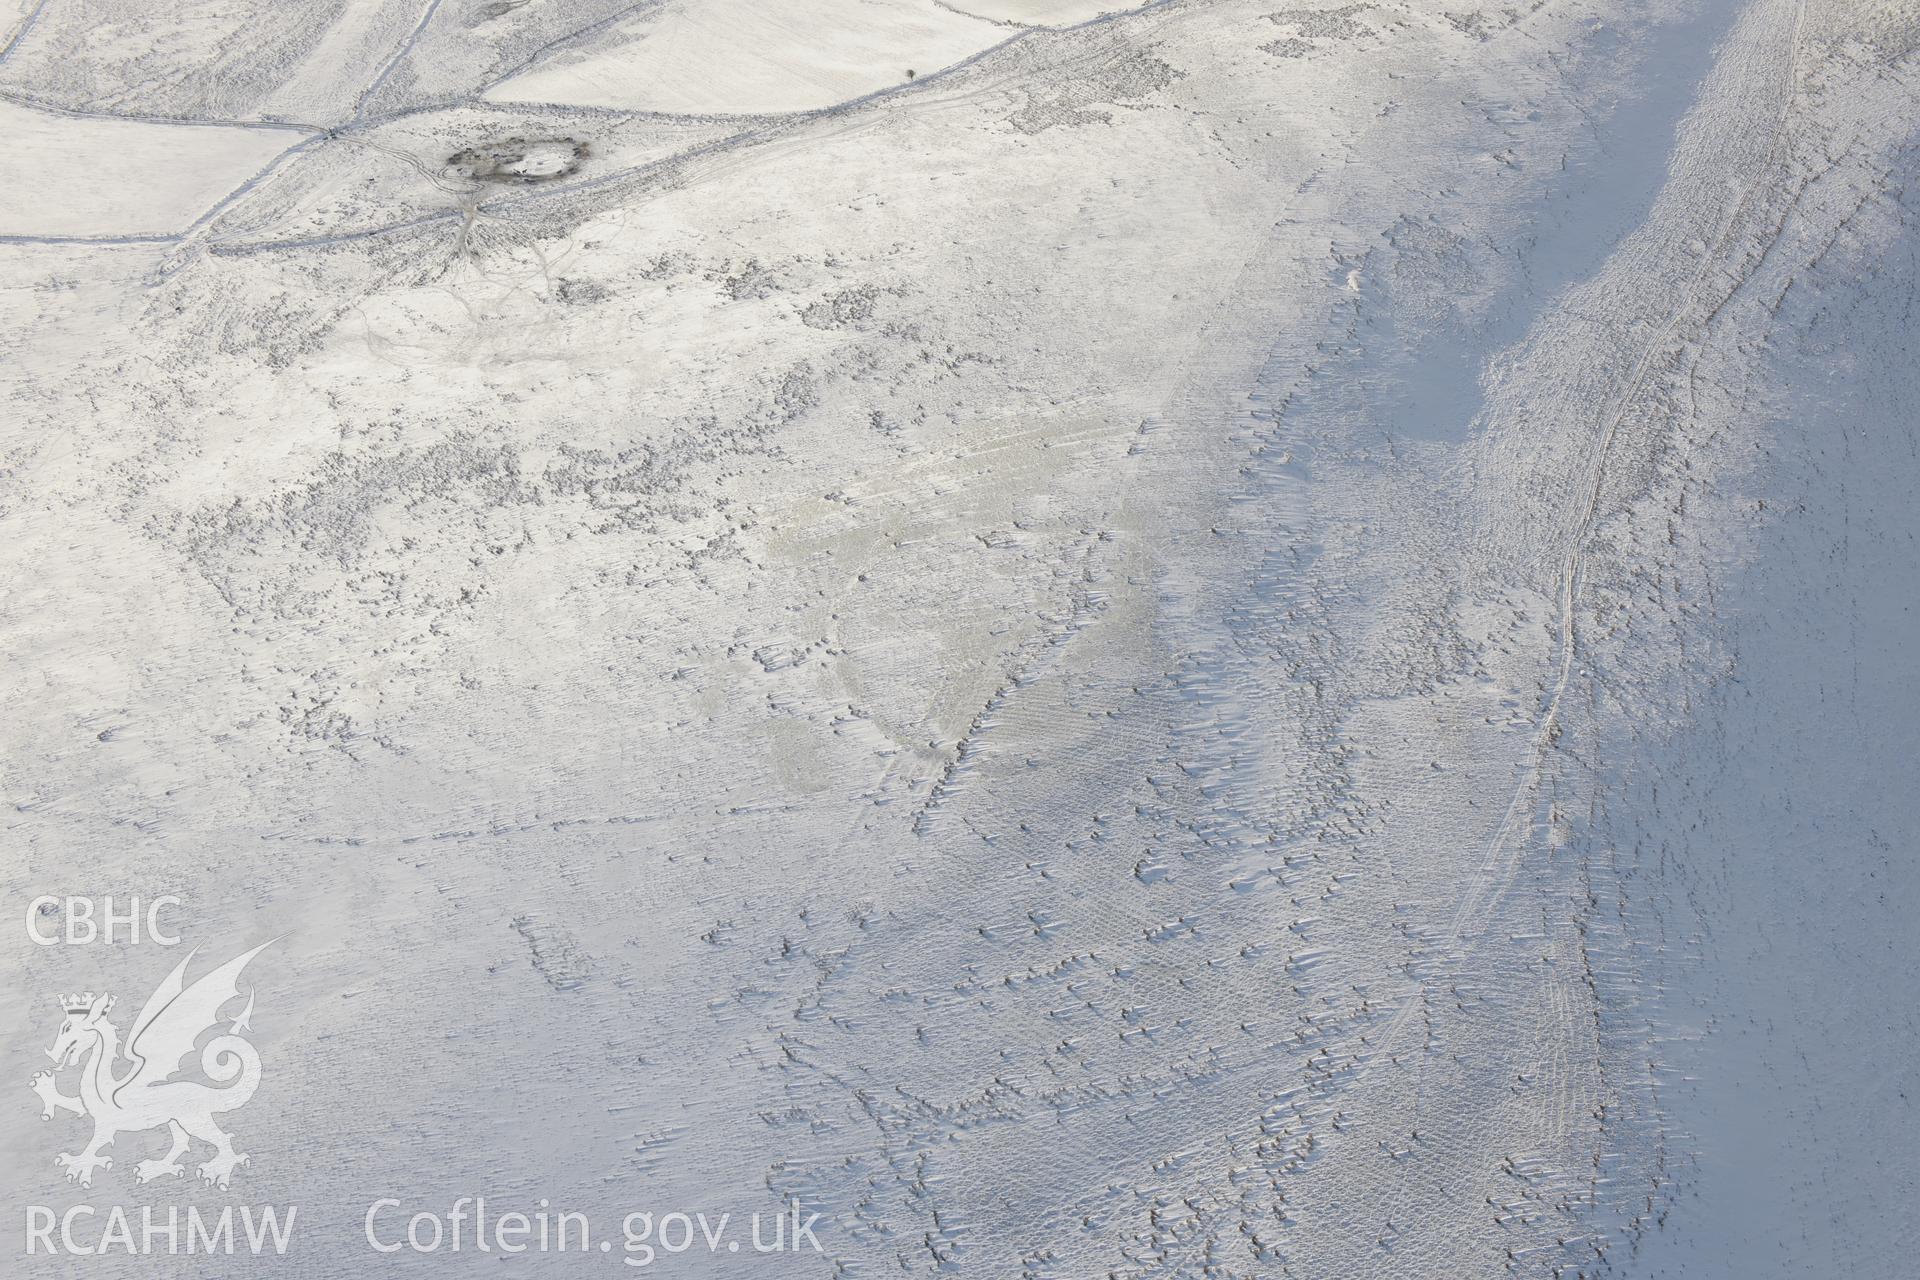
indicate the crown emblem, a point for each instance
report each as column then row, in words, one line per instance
column 79, row 1003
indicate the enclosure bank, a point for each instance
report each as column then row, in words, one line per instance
column 152, row 1229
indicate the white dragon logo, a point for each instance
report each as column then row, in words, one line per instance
column 144, row 1095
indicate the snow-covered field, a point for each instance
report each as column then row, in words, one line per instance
column 1216, row 639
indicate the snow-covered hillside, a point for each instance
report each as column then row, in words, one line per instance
column 1214, row 639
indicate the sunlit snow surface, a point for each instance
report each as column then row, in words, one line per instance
column 1220, row 640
